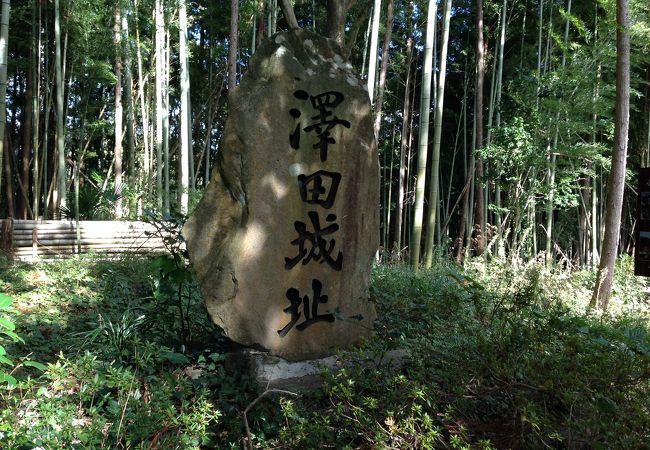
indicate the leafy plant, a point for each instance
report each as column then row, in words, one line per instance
column 95, row 202
column 175, row 278
column 7, row 331
column 118, row 336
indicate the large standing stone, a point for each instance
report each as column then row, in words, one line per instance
column 284, row 237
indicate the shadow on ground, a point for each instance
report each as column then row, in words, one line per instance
column 65, row 306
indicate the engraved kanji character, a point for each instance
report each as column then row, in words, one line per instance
column 321, row 249
column 323, row 103
column 313, row 191
column 310, row 311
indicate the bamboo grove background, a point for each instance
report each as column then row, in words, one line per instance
column 495, row 119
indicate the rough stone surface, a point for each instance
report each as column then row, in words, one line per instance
column 299, row 118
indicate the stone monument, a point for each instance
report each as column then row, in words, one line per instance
column 284, row 237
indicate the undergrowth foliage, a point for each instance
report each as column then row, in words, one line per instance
column 175, row 280
column 494, row 363
column 7, row 332
column 497, row 357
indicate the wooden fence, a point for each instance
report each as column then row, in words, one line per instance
column 31, row 240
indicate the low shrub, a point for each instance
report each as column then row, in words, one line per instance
column 498, row 357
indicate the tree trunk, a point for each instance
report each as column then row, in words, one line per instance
column 616, row 182
column 185, row 112
column 499, row 88
column 479, row 214
column 389, row 195
column 595, row 236
column 273, row 17
column 434, row 183
column 35, row 62
column 378, row 115
column 410, row 179
column 336, row 12
column 61, row 193
column 118, row 111
column 366, row 43
column 468, row 168
column 372, row 57
column 4, row 41
column 128, row 100
column 553, row 156
column 160, row 42
column 469, row 229
column 539, row 51
column 25, row 148
column 165, row 121
column 385, row 58
column 254, row 37
column 232, row 45
column 403, row 163
column 645, row 153
column 289, row 14
column 47, row 165
column 9, row 189
column 423, row 140
column 583, row 219
column 146, row 169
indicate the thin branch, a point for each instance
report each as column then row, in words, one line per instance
column 249, row 437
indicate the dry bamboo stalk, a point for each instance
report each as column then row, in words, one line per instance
column 53, row 234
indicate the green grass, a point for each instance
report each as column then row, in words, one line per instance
column 500, row 357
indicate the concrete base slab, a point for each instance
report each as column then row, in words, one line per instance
column 277, row 373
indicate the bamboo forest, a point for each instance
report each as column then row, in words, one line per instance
column 496, row 295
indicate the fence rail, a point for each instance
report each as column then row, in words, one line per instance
column 31, row 240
